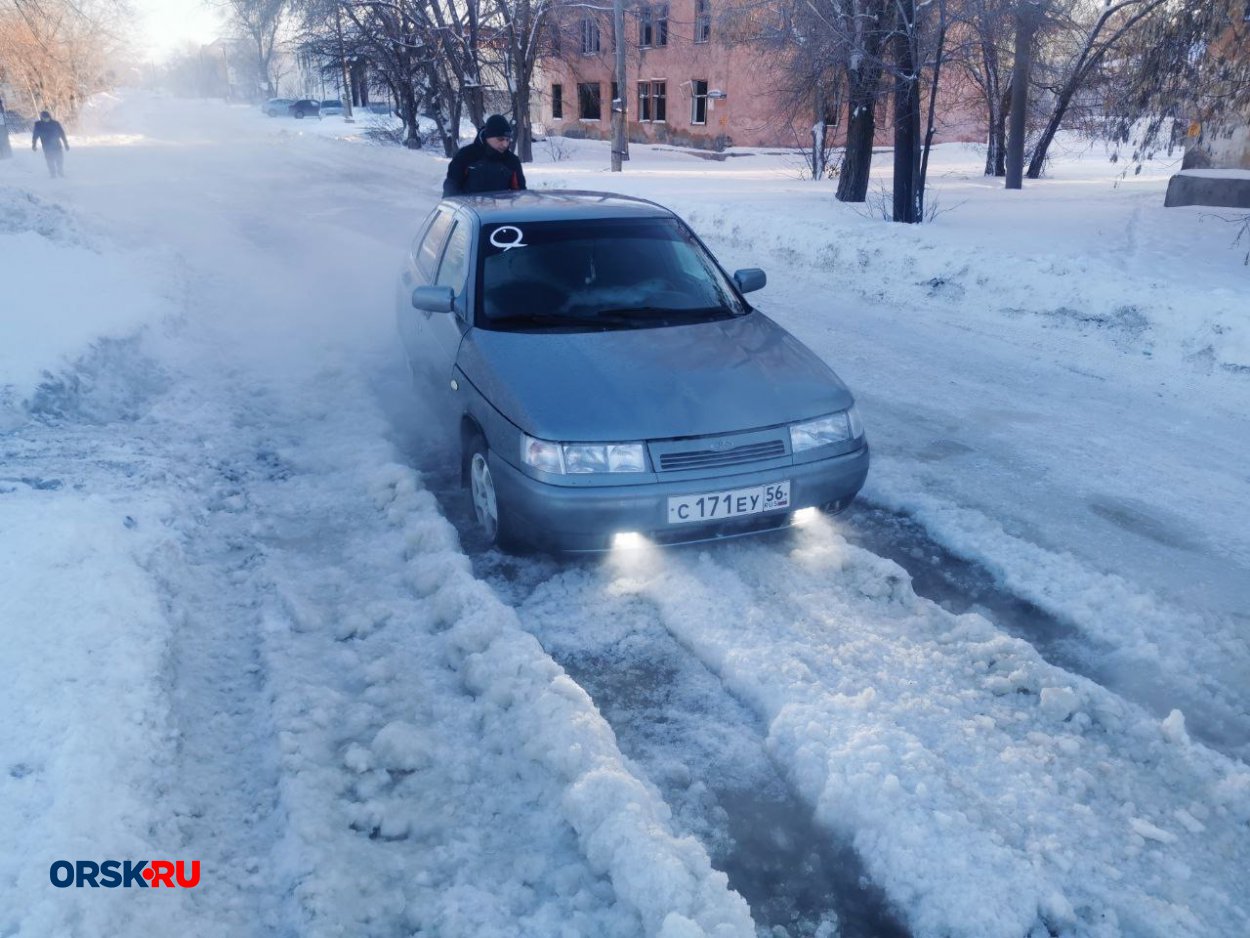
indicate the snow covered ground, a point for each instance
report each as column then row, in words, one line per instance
column 1006, row 696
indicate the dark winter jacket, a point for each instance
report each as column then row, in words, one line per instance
column 479, row 167
column 50, row 133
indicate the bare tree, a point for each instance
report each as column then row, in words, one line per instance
column 260, row 22
column 56, row 53
column 525, row 37
column 1090, row 35
column 831, row 50
column 986, row 60
column 865, row 33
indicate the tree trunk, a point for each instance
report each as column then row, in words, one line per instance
column 521, row 118
column 406, row 98
column 346, row 94
column 451, row 131
column 906, row 117
column 931, row 118
column 861, row 128
column 996, row 152
column 620, row 132
column 1048, row 135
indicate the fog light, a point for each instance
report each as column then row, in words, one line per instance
column 805, row 515
column 627, row 540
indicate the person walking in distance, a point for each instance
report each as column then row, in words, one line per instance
column 486, row 164
column 52, row 135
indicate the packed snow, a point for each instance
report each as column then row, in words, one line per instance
column 242, row 626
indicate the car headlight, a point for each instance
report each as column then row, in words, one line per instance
column 825, row 431
column 582, row 457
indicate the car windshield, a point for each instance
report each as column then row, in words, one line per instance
column 598, row 274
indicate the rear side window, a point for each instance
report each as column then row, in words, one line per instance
column 431, row 246
column 454, row 269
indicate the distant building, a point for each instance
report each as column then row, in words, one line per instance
column 686, row 84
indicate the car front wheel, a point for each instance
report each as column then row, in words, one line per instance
column 491, row 516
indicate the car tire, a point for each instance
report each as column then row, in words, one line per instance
column 299, row 115
column 490, row 516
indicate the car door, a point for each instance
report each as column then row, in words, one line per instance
column 419, row 271
column 446, row 330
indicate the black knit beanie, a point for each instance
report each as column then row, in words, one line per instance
column 496, row 126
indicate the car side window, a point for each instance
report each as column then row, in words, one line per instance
column 454, row 269
column 431, row 248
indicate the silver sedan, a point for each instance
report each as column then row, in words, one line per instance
column 608, row 382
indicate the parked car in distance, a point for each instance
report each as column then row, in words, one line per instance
column 605, row 380
column 305, row 107
column 275, row 107
column 331, row 107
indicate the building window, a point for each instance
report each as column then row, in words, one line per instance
column 652, row 25
column 702, row 20
column 590, row 35
column 557, row 102
column 588, row 104
column 652, row 103
column 698, row 101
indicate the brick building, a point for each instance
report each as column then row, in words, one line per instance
column 687, row 84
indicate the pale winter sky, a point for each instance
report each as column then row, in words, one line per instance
column 166, row 25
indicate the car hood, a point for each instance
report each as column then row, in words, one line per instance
column 630, row 384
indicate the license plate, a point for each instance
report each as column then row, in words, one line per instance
column 717, row 506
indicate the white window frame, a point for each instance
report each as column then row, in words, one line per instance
column 695, row 99
column 591, row 42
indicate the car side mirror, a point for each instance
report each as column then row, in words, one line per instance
column 434, row 299
column 750, row 279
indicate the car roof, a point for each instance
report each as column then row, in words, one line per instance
column 530, row 205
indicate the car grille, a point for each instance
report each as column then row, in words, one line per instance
column 702, row 455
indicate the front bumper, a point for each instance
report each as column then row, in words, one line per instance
column 585, row 518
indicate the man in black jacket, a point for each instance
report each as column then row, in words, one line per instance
column 486, row 164
column 52, row 135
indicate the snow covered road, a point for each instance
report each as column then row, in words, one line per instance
column 241, row 629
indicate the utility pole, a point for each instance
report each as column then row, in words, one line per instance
column 620, row 145
column 1026, row 23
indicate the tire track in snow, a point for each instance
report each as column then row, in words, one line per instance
column 695, row 743
column 226, row 760
column 961, row 585
column 702, row 748
column 988, row 792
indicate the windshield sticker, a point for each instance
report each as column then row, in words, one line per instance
column 507, row 245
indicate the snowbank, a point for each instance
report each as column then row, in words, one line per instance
column 63, row 293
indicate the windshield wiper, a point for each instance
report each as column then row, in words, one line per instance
column 646, row 314
column 556, row 319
